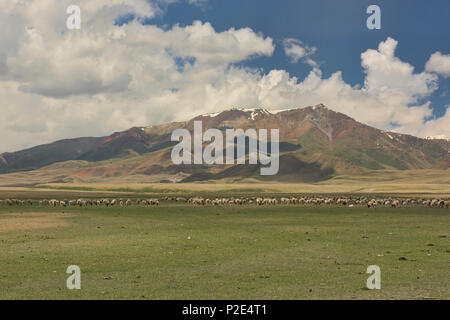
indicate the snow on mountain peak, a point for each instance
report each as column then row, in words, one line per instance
column 439, row 137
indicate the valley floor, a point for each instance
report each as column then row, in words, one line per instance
column 375, row 181
column 420, row 182
column 232, row 252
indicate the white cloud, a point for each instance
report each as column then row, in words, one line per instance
column 385, row 72
column 439, row 63
column 103, row 78
column 296, row 50
column 389, row 98
column 199, row 3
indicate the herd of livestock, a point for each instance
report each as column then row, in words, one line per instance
column 259, row 201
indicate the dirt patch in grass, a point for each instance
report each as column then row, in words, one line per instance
column 31, row 221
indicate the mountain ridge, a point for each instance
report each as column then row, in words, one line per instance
column 315, row 143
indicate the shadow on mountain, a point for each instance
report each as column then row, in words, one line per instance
column 291, row 169
column 122, row 144
column 282, row 145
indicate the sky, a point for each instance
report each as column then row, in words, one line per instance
column 145, row 62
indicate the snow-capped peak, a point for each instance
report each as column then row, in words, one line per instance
column 258, row 112
column 255, row 112
column 212, row 115
column 438, row 137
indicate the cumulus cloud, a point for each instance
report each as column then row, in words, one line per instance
column 384, row 72
column 389, row 98
column 56, row 83
column 439, row 63
column 296, row 50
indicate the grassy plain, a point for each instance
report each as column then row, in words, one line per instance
column 182, row 252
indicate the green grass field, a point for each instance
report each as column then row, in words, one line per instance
column 183, row 252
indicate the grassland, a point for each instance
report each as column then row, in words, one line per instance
column 183, row 252
column 413, row 182
column 69, row 176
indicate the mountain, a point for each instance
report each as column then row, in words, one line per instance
column 315, row 144
column 43, row 155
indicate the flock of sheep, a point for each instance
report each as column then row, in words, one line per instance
column 370, row 203
column 79, row 202
column 259, row 201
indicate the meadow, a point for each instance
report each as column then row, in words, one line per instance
column 177, row 251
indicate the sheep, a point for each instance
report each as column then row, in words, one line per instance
column 197, row 201
column 53, row 202
column 372, row 203
column 270, row 201
column 426, row 203
column 153, row 202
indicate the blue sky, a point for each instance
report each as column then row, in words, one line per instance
column 337, row 28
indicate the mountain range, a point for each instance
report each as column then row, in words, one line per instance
column 316, row 144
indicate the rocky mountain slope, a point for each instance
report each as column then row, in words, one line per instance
column 315, row 144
